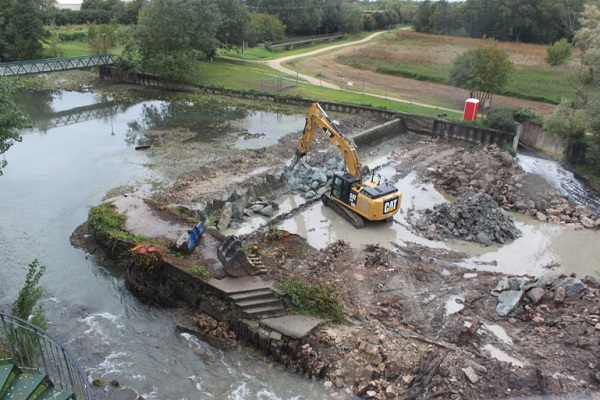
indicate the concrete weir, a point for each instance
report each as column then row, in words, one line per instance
column 249, row 304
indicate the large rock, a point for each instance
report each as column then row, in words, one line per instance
column 572, row 286
column 508, row 302
column 225, row 218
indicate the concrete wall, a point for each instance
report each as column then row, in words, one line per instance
column 533, row 136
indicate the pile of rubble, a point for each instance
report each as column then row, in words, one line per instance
column 216, row 329
column 306, row 180
column 495, row 172
column 475, row 217
column 232, row 215
column 517, row 294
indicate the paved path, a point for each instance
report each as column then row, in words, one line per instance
column 277, row 65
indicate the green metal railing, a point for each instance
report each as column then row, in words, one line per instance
column 47, row 65
column 34, row 350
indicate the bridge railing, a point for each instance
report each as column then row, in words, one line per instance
column 46, row 65
column 34, row 350
column 306, row 39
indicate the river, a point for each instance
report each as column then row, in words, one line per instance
column 79, row 149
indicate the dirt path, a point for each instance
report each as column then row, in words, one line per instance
column 320, row 68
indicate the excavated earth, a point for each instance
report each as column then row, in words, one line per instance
column 408, row 312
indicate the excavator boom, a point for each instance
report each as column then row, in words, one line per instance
column 317, row 118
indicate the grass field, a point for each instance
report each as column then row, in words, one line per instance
column 248, row 76
column 429, row 58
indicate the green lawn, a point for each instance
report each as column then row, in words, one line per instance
column 248, row 76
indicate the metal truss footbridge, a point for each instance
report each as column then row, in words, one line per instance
column 48, row 65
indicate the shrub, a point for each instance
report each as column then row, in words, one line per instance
column 524, row 114
column 559, row 52
column 501, row 118
column 29, row 295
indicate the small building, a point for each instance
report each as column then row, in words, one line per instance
column 74, row 5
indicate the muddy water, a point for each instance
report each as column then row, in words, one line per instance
column 80, row 148
column 543, row 248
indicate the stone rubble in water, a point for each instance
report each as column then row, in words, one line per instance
column 306, row 180
column 495, row 172
column 475, row 217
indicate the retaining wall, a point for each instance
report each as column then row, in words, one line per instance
column 533, row 136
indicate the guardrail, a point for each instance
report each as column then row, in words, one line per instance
column 289, row 44
column 46, row 65
column 34, row 350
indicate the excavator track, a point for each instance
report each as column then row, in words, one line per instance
column 356, row 220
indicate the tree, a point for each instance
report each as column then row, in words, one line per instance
column 561, row 15
column 22, row 29
column 172, row 35
column 482, row 70
column 132, row 11
column 568, row 123
column 235, row 23
column 11, row 119
column 587, row 39
column 101, row 38
column 301, row 18
column 24, row 306
column 351, row 18
column 265, row 28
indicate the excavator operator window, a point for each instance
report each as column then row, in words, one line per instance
column 337, row 187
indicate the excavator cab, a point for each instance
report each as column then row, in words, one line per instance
column 342, row 185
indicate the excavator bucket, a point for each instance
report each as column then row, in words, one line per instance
column 235, row 260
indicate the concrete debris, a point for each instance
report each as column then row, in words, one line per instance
column 518, row 294
column 475, row 217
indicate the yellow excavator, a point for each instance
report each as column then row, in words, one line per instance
column 350, row 197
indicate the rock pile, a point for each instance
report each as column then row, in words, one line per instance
column 517, row 294
column 216, row 329
column 475, row 217
column 232, row 215
column 306, row 180
column 495, row 172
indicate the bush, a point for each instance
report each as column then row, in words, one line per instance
column 526, row 114
column 71, row 36
column 559, row 52
column 313, row 300
column 501, row 118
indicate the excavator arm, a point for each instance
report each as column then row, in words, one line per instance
column 317, row 118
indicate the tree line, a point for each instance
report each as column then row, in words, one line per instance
column 531, row 21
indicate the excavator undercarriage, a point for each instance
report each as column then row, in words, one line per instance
column 356, row 220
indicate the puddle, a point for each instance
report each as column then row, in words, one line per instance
column 452, row 306
column 469, row 275
column 502, row 356
column 499, row 332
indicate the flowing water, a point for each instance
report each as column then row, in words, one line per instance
column 81, row 147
